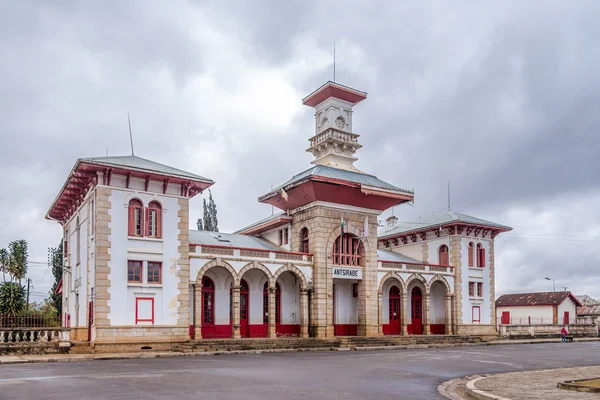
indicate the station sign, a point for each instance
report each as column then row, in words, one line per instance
column 347, row 273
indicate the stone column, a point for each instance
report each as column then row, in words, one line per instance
column 198, row 312
column 380, row 313
column 272, row 332
column 404, row 321
column 304, row 313
column 236, row 311
column 426, row 314
column 448, row 319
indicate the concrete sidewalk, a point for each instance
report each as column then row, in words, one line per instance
column 164, row 354
column 532, row 385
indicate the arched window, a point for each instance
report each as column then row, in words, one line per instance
column 154, row 220
column 480, row 256
column 304, row 248
column 347, row 250
column 208, row 301
column 443, row 255
column 135, row 218
column 471, row 255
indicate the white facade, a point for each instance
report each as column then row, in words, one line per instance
column 541, row 314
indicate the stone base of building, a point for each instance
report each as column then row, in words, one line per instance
column 476, row 330
column 78, row 334
column 141, row 334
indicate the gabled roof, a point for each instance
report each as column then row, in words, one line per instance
column 142, row 164
column 534, row 299
column 364, row 180
column 589, row 310
column 440, row 218
column 231, row 240
column 387, row 255
column 265, row 224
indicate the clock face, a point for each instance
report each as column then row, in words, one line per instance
column 340, row 122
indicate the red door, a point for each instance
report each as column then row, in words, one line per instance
column 244, row 329
column 208, row 308
column 90, row 319
column 394, row 303
column 416, row 311
column 505, row 319
column 566, row 318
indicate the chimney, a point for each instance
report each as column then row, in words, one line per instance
column 391, row 222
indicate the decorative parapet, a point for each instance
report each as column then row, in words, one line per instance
column 249, row 253
column 415, row 267
column 335, row 134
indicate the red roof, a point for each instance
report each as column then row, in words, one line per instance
column 332, row 89
column 534, row 299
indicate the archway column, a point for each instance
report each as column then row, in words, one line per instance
column 236, row 311
column 272, row 312
column 303, row 313
column 380, row 313
column 426, row 313
column 404, row 321
column 197, row 319
column 448, row 319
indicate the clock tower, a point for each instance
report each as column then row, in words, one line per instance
column 334, row 143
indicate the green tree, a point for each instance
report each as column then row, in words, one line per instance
column 55, row 255
column 209, row 221
column 14, row 266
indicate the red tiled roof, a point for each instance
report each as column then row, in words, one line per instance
column 534, row 299
column 589, row 310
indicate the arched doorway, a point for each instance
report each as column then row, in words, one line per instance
column 208, row 307
column 348, row 254
column 437, row 308
column 244, row 309
column 287, row 305
column 393, row 327
column 416, row 311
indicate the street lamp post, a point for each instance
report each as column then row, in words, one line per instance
column 553, row 283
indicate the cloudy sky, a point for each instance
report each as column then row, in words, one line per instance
column 501, row 99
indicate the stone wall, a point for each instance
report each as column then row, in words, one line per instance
column 102, row 281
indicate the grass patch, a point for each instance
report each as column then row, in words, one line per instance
column 595, row 383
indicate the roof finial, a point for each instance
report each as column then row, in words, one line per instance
column 334, row 61
column 130, row 134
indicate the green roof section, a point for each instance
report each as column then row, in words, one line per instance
column 437, row 219
column 142, row 164
column 231, row 240
column 336, row 173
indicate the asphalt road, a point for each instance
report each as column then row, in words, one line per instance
column 392, row 374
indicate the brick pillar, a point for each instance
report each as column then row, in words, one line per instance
column 272, row 312
column 426, row 312
column 448, row 311
column 304, row 313
column 236, row 311
column 455, row 261
column 368, row 321
column 404, row 321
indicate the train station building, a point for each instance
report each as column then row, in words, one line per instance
column 135, row 271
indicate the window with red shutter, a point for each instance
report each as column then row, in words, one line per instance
column 471, row 255
column 304, row 248
column 479, row 289
column 135, row 218
column 347, row 250
column 472, row 289
column 154, row 220
column 480, row 256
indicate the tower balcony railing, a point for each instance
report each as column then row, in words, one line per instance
column 250, row 253
column 416, row 267
column 333, row 133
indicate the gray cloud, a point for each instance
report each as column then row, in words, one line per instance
column 500, row 99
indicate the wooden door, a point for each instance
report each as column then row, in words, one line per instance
column 394, row 311
column 505, row 319
column 416, row 311
column 566, row 318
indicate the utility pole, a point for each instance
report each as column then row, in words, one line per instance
column 28, row 284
